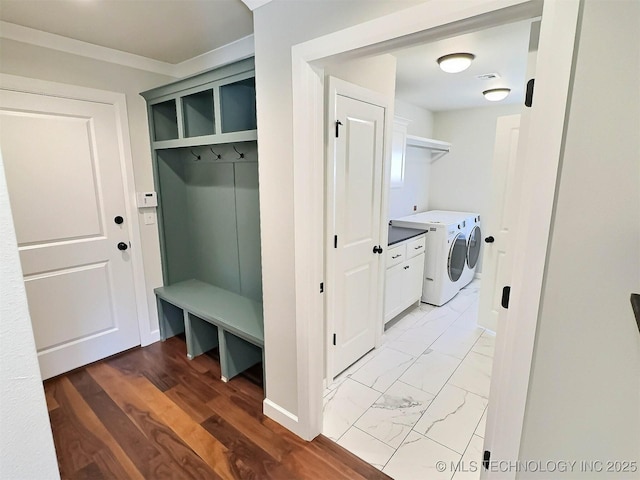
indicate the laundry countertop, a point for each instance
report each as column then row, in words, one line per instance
column 399, row 234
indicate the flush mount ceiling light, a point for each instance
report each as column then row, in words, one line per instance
column 496, row 94
column 455, row 62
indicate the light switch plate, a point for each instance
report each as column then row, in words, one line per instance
column 147, row 199
column 149, row 218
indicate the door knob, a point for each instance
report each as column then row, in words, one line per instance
column 377, row 249
column 118, row 220
column 122, row 246
column 489, row 239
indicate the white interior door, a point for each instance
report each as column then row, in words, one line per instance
column 500, row 223
column 357, row 189
column 63, row 162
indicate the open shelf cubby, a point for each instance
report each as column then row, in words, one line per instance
column 165, row 120
column 238, row 105
column 197, row 111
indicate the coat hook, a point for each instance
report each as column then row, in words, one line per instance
column 198, row 157
column 241, row 154
column 217, row 155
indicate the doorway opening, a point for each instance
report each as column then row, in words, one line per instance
column 427, row 380
column 544, row 139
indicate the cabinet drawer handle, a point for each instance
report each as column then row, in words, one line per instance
column 396, row 256
column 418, row 247
column 406, row 267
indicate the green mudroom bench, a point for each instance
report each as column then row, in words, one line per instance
column 213, row 317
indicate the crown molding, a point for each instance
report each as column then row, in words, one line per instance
column 253, row 4
column 232, row 52
column 32, row 36
column 238, row 50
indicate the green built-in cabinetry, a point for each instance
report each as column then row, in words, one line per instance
column 203, row 137
column 211, row 108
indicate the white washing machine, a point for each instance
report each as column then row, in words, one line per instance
column 470, row 223
column 445, row 265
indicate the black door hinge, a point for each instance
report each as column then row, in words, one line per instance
column 334, row 338
column 321, row 287
column 528, row 98
column 506, row 292
column 338, row 123
column 335, row 241
column 485, row 459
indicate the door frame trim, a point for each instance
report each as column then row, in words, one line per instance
column 427, row 22
column 118, row 101
column 337, row 87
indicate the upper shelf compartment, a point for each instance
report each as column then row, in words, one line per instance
column 165, row 120
column 238, row 105
column 197, row 112
column 213, row 107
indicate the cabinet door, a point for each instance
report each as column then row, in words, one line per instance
column 413, row 270
column 394, row 292
column 398, row 148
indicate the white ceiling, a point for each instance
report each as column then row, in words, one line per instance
column 501, row 50
column 167, row 30
column 173, row 31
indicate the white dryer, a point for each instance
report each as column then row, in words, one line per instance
column 474, row 241
column 445, row 255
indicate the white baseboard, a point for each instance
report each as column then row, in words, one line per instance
column 282, row 416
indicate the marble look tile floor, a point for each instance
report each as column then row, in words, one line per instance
column 421, row 397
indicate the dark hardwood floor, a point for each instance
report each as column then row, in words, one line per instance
column 150, row 413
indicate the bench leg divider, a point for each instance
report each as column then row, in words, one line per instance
column 170, row 319
column 201, row 335
column 238, row 355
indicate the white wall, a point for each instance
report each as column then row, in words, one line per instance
column 41, row 63
column 584, row 395
column 415, row 190
column 277, row 26
column 461, row 180
column 421, row 119
column 26, row 444
column 374, row 73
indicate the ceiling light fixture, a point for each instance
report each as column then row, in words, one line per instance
column 455, row 62
column 496, row 94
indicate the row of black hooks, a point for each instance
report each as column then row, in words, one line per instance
column 217, row 155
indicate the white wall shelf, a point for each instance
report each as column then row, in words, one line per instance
column 437, row 147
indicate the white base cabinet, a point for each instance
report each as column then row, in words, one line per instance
column 404, row 276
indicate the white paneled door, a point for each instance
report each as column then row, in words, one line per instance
column 64, row 166
column 357, row 184
column 506, row 181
